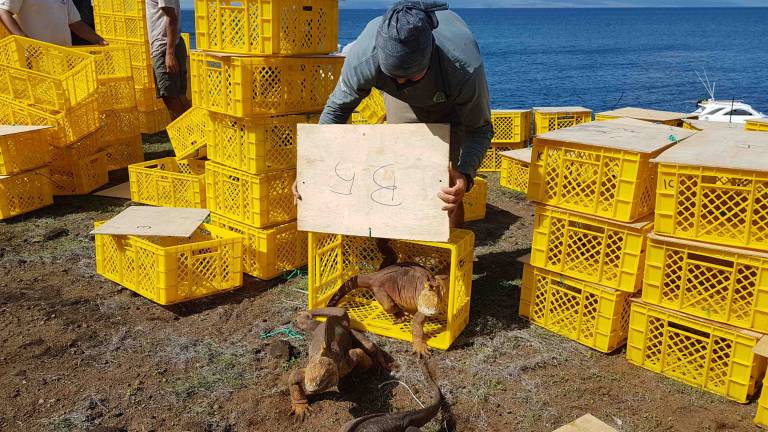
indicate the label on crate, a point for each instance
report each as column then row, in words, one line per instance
column 374, row 180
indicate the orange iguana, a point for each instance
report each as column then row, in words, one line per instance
column 403, row 288
column 334, row 351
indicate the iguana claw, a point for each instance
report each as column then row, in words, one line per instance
column 301, row 411
column 421, row 349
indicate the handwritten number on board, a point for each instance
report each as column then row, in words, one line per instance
column 350, row 181
column 382, row 187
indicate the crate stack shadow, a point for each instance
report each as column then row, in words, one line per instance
column 594, row 186
column 124, row 24
column 261, row 68
column 512, row 157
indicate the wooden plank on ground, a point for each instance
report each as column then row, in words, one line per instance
column 123, row 190
column 587, row 423
column 154, row 222
column 373, row 180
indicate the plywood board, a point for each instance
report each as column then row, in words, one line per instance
column 567, row 109
column 761, row 348
column 154, row 222
column 721, row 148
column 646, row 114
column 504, row 111
column 522, row 155
column 620, row 134
column 10, row 130
column 704, row 125
column 123, row 190
column 373, row 180
column 587, row 423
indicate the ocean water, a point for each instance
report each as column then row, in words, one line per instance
column 605, row 58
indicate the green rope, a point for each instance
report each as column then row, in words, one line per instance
column 287, row 331
column 294, row 274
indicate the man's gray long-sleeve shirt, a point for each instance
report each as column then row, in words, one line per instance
column 453, row 91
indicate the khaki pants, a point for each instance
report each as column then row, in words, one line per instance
column 399, row 112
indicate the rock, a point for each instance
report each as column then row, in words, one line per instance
column 280, row 350
column 55, row 233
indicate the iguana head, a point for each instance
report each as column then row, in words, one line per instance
column 432, row 298
column 320, row 375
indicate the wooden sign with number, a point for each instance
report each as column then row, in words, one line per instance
column 378, row 180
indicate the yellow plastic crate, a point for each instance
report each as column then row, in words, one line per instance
column 371, row 110
column 592, row 249
column 45, row 75
column 134, row 8
column 23, row 148
column 259, row 27
column 119, row 126
column 715, row 357
column 714, row 282
column 79, row 176
column 492, row 159
column 170, row 270
column 248, row 86
column 168, row 183
column 760, row 125
column 185, row 36
column 121, row 154
column 668, row 118
column 120, row 26
column 268, row 253
column 256, row 145
column 147, row 100
column 761, row 417
column 714, row 205
column 141, row 63
column 191, row 133
column 113, row 69
column 551, row 119
column 4, row 31
column 511, row 126
column 595, row 316
column 152, row 122
column 610, row 175
column 515, row 169
column 475, row 200
column 334, row 259
column 67, row 127
column 85, row 148
column 262, row 200
column 25, row 192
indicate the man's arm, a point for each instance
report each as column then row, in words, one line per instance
column 350, row 91
column 86, row 32
column 474, row 108
column 9, row 8
column 171, row 31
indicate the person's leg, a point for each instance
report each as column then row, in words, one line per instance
column 172, row 87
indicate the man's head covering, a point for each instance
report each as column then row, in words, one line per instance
column 404, row 40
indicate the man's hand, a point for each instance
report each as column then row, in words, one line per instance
column 295, row 190
column 103, row 43
column 171, row 65
column 453, row 196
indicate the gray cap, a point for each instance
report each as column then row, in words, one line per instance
column 404, row 40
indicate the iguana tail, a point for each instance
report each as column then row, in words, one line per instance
column 419, row 418
column 345, row 288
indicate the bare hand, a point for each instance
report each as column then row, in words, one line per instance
column 102, row 42
column 301, row 411
column 454, row 195
column 171, row 65
column 295, row 190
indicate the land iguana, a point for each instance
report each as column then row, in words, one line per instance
column 408, row 421
column 335, row 350
column 400, row 289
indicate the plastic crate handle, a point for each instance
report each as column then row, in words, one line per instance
column 307, row 8
column 690, row 330
column 704, row 259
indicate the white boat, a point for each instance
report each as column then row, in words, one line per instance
column 723, row 111
column 726, row 111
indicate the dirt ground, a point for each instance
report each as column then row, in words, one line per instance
column 79, row 353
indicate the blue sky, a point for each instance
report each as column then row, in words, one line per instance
column 187, row 4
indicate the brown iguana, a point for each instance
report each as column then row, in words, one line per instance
column 409, row 421
column 403, row 288
column 334, row 351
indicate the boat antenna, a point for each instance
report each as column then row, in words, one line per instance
column 619, row 100
column 707, row 85
column 730, row 114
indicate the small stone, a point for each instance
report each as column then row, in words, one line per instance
column 55, row 233
column 280, row 350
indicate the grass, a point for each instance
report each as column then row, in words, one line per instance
column 216, row 369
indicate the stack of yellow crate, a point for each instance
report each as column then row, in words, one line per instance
column 594, row 184
column 24, row 178
column 262, row 69
column 515, row 169
column 512, row 130
column 125, row 24
column 120, row 136
column 668, row 118
column 46, row 84
column 705, row 292
column 548, row 119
